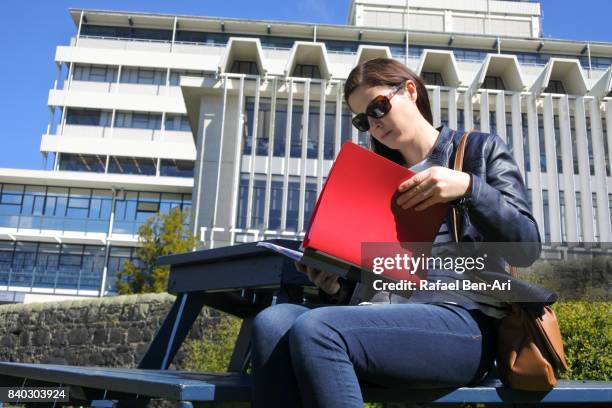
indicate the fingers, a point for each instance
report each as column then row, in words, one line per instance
column 417, row 194
column 325, row 280
column 428, row 203
column 300, row 267
column 414, row 180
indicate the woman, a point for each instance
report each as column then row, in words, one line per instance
column 317, row 356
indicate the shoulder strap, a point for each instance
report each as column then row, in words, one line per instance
column 458, row 166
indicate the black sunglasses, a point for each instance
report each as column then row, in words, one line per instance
column 377, row 108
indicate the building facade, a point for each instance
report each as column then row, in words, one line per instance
column 240, row 120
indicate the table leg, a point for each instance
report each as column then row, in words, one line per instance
column 173, row 331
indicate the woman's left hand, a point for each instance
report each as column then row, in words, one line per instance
column 431, row 186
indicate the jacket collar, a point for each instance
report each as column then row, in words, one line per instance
column 440, row 154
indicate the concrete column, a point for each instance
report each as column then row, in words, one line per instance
column 567, row 162
column 253, row 153
column 517, row 134
column 268, row 193
column 551, row 170
column 436, row 106
column 452, row 108
column 534, row 181
column 584, row 175
column 484, row 111
column 601, row 187
column 500, row 115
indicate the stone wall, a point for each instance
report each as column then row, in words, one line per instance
column 111, row 332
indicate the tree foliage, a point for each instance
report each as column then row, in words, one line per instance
column 162, row 234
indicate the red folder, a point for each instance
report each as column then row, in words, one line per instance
column 357, row 206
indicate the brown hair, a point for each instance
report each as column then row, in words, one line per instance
column 387, row 72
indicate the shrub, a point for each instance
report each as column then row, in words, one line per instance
column 587, row 334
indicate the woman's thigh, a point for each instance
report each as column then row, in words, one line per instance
column 420, row 344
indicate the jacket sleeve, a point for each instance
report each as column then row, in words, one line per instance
column 497, row 205
column 342, row 297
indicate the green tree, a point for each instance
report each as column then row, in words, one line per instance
column 162, row 234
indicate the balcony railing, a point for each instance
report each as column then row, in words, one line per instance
column 50, row 280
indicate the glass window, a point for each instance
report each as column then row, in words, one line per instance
column 81, row 162
column 542, row 143
column 176, row 168
column 132, row 165
column 145, row 76
column 525, row 130
column 433, row 78
column 555, row 86
column 146, row 206
column 307, row 71
column 94, row 73
column 493, row 82
column 88, row 117
column 177, row 122
column 244, row 67
column 138, row 120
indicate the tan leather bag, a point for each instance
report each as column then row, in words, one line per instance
column 529, row 345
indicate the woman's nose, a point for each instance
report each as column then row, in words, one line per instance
column 374, row 122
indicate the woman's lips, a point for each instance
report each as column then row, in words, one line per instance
column 385, row 134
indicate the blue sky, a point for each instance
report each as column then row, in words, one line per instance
column 33, row 29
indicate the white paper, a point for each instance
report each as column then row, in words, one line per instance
column 291, row 253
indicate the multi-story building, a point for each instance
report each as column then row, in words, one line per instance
column 247, row 116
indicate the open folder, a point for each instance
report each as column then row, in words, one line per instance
column 356, row 219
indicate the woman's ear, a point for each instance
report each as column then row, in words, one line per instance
column 411, row 90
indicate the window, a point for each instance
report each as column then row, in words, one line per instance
column 145, row 206
column 541, row 141
column 563, row 217
column 126, row 32
column 433, row 78
column 525, row 133
column 201, row 37
column 590, row 146
column 81, row 162
column 176, row 168
column 579, row 215
column 604, row 132
column 493, row 82
column 95, row 73
column 88, row 117
column 244, row 67
column 307, row 71
column 558, row 143
column 177, row 122
column 595, row 216
column 132, row 165
column 138, row 75
column 138, row 120
column 555, row 86
column 546, row 210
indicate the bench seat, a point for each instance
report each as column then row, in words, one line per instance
column 224, row 387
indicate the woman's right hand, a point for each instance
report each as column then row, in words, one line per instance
column 325, row 280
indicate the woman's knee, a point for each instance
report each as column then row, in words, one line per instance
column 318, row 326
column 275, row 320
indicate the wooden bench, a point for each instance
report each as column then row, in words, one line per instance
column 243, row 280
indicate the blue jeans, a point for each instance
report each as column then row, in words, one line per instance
column 317, row 356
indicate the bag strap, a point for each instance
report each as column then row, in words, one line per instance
column 458, row 166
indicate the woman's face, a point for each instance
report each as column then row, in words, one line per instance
column 397, row 127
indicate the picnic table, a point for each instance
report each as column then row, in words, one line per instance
column 242, row 280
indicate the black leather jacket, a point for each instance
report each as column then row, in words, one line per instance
column 494, row 210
